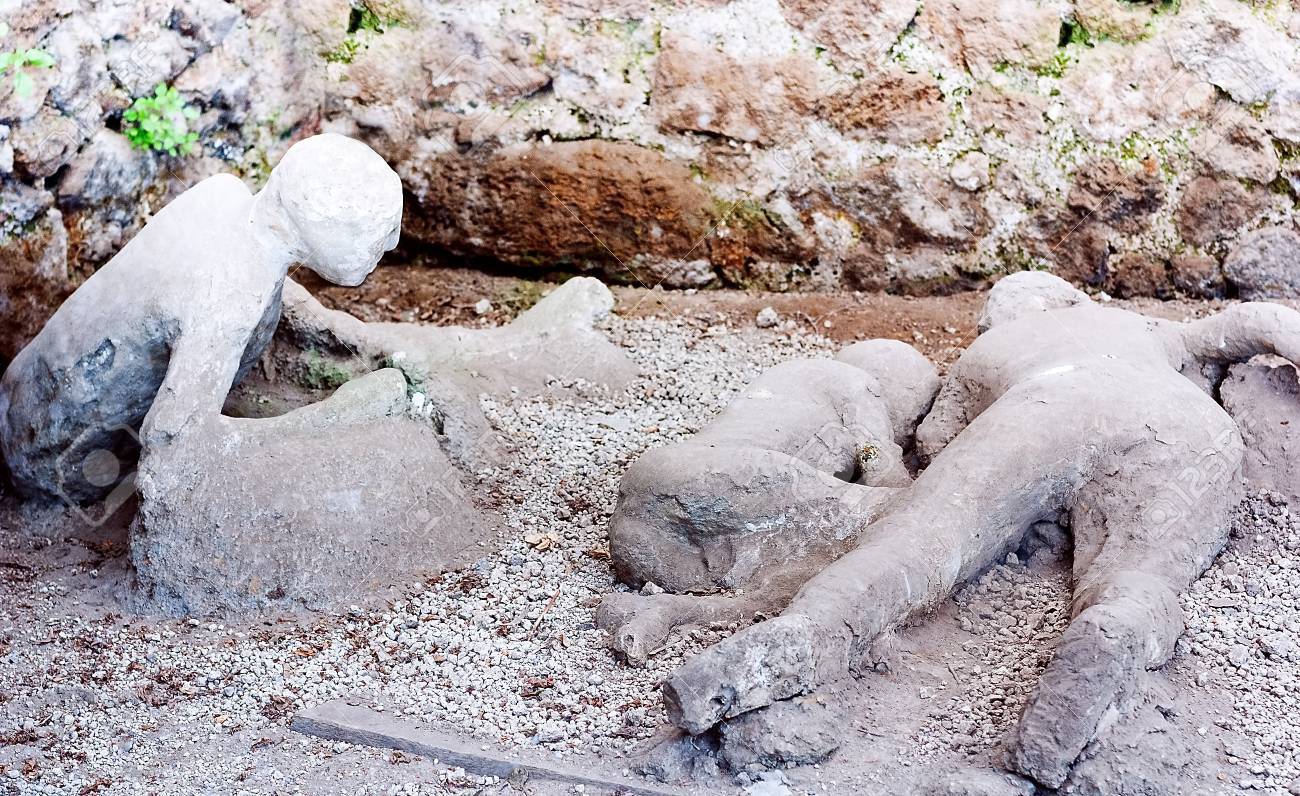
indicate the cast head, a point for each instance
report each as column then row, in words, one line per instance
column 1025, row 292
column 335, row 205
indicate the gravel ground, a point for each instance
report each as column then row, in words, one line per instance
column 92, row 701
column 1013, row 615
column 504, row 650
column 1243, row 620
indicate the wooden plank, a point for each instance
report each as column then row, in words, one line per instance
column 342, row 720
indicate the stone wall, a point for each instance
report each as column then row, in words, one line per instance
column 1137, row 148
column 72, row 190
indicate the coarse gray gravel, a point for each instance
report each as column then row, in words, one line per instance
column 1013, row 615
column 96, row 701
column 1243, row 625
column 504, row 650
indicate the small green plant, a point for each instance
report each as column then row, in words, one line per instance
column 161, row 122
column 522, row 297
column 1072, row 32
column 1055, row 67
column 321, row 374
column 364, row 23
column 345, row 53
column 363, row 17
column 18, row 61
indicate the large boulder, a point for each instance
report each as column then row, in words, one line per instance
column 1015, row 115
column 1263, row 264
column 1235, row 144
column 583, row 74
column 580, row 204
column 1230, row 46
column 986, row 35
column 1079, row 237
column 105, row 169
column 1077, row 247
column 915, row 227
column 897, row 106
column 45, row 143
column 858, row 33
column 1116, row 90
column 1197, row 275
column 1124, row 198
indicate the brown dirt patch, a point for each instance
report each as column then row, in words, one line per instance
column 939, row 326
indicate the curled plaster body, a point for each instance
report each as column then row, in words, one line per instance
column 767, row 494
column 160, row 334
column 1061, row 411
column 308, row 507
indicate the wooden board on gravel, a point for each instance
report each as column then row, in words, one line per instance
column 350, row 721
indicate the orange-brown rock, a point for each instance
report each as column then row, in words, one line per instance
column 897, row 106
column 1120, row 196
column 1136, row 274
column 1211, row 209
column 915, row 228
column 573, row 204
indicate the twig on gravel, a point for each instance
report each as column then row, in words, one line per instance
column 547, row 608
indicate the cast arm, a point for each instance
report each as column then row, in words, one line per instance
column 1244, row 331
column 200, row 373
